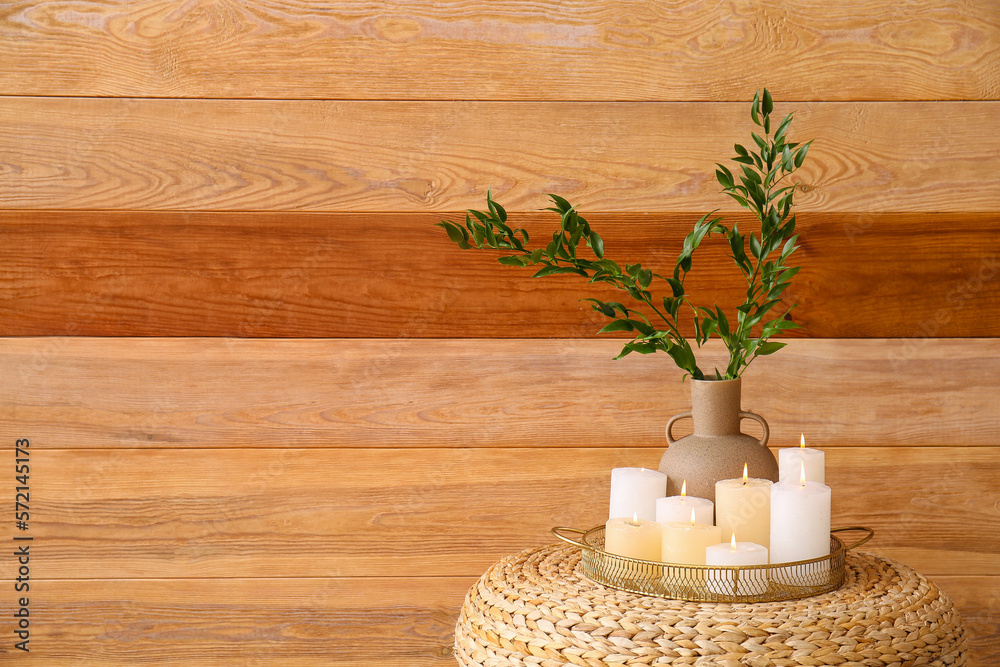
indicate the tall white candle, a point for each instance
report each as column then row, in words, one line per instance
column 800, row 520
column 634, row 492
column 678, row 508
column 731, row 582
column 633, row 537
column 743, row 506
column 790, row 460
column 685, row 542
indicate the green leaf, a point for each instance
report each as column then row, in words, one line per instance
column 552, row 269
column 596, row 244
column 754, row 108
column 643, row 347
column 780, row 132
column 642, row 327
column 789, row 246
column 768, row 105
column 723, row 322
column 561, row 204
column 754, row 246
column 769, row 347
column 785, row 276
column 683, row 356
column 676, row 286
column 512, row 260
column 455, row 233
column 752, row 175
column 725, row 180
column 497, row 210
column 800, row 155
column 617, row 325
column 601, row 307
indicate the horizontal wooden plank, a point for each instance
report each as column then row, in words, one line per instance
column 397, row 275
column 327, row 512
column 397, row 622
column 597, row 49
column 73, row 153
column 356, row 622
column 191, row 393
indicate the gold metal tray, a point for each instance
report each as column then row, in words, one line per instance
column 703, row 583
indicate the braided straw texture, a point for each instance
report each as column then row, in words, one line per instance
column 534, row 608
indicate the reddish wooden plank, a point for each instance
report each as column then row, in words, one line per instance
column 397, row 275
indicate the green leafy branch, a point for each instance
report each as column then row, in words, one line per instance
column 757, row 186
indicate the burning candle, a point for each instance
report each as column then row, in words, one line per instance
column 685, row 542
column 737, row 582
column 633, row 537
column 634, row 491
column 677, row 508
column 790, row 458
column 743, row 506
column 800, row 520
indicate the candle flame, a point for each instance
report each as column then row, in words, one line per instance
column 802, row 474
column 635, row 518
column 732, row 542
column 684, row 488
column 802, row 441
column 745, row 473
column 692, row 517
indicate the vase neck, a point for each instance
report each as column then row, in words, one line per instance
column 715, row 406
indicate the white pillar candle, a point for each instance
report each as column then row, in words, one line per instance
column 800, row 520
column 678, row 508
column 685, row 542
column 633, row 537
column 733, row 582
column 743, row 506
column 634, row 492
column 790, row 460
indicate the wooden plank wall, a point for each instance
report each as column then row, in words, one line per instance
column 276, row 418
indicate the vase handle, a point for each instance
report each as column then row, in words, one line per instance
column 670, row 437
column 762, row 421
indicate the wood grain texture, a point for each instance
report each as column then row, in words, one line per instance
column 396, row 622
column 410, row 513
column 396, row 275
column 591, row 49
column 359, row 622
column 428, row 156
column 194, row 393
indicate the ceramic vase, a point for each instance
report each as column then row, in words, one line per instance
column 717, row 449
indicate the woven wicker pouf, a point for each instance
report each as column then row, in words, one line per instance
column 534, row 608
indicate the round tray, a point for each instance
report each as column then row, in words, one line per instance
column 704, row 583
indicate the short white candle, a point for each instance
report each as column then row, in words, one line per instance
column 743, row 506
column 678, row 508
column 684, row 542
column 633, row 537
column 731, row 582
column 800, row 520
column 634, row 492
column 790, row 460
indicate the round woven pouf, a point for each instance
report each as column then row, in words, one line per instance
column 535, row 608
